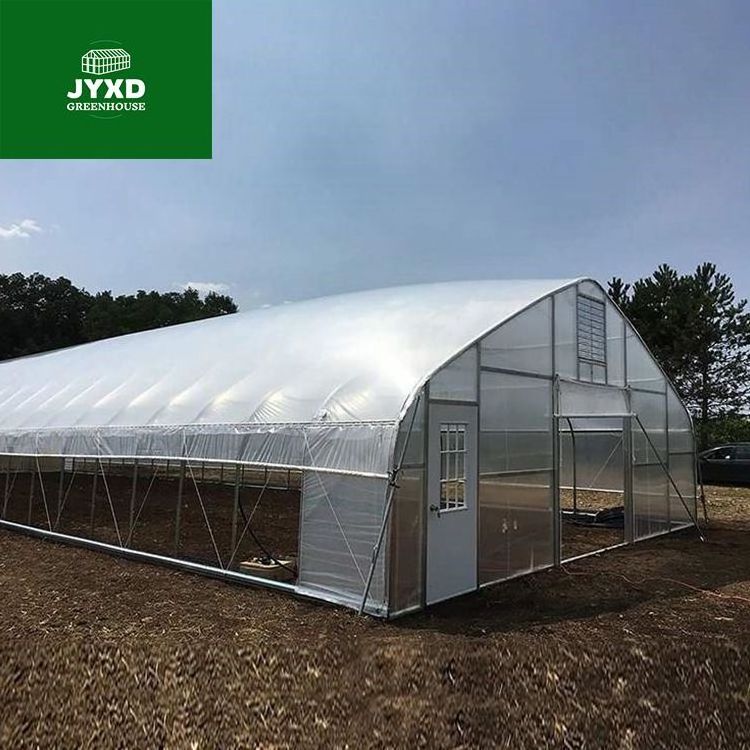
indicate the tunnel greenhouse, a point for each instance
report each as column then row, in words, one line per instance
column 383, row 450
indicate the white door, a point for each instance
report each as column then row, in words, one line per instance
column 451, row 501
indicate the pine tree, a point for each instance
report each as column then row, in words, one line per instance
column 700, row 333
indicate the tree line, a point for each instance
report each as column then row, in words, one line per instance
column 38, row 313
column 699, row 331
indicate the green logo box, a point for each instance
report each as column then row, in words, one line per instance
column 105, row 79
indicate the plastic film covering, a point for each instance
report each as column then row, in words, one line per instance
column 643, row 372
column 615, row 345
column 682, row 469
column 680, row 426
column 412, row 430
column 523, row 343
column 651, row 409
column 580, row 399
column 651, row 504
column 590, row 289
column 457, row 381
column 360, row 448
column 407, row 539
column 650, row 507
column 515, row 475
column 566, row 356
column 407, row 516
column 681, row 462
column 340, row 522
column 650, row 487
column 351, row 357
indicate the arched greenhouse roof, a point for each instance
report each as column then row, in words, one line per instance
column 356, row 357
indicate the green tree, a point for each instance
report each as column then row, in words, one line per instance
column 38, row 313
column 700, row 333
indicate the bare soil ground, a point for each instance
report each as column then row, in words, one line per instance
column 581, row 539
column 643, row 647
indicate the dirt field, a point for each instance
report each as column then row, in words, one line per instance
column 579, row 539
column 642, row 647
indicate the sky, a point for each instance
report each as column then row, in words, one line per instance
column 366, row 144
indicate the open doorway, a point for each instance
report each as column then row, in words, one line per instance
column 592, row 484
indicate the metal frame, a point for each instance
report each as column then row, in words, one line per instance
column 425, row 491
column 555, row 427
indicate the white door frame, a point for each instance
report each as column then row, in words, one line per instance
column 452, row 501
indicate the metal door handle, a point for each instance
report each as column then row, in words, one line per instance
column 435, row 509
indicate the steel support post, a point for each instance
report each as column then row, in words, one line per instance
column 178, row 509
column 235, row 508
column 556, row 507
column 391, row 488
column 32, row 478
column 93, row 500
column 666, row 456
column 60, row 492
column 133, row 493
column 6, row 496
column 628, row 468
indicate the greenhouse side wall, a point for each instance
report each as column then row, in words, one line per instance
column 406, row 562
column 681, row 459
column 515, row 447
column 340, row 522
column 662, row 437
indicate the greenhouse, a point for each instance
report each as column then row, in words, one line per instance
column 101, row 61
column 384, row 450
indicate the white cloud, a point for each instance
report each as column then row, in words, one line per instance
column 25, row 229
column 204, row 287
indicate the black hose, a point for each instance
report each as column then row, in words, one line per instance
column 262, row 547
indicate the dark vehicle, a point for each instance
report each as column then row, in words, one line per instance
column 728, row 464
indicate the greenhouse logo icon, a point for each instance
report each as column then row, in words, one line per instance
column 98, row 61
column 106, row 79
column 88, row 91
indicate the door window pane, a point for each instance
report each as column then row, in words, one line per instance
column 452, row 466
